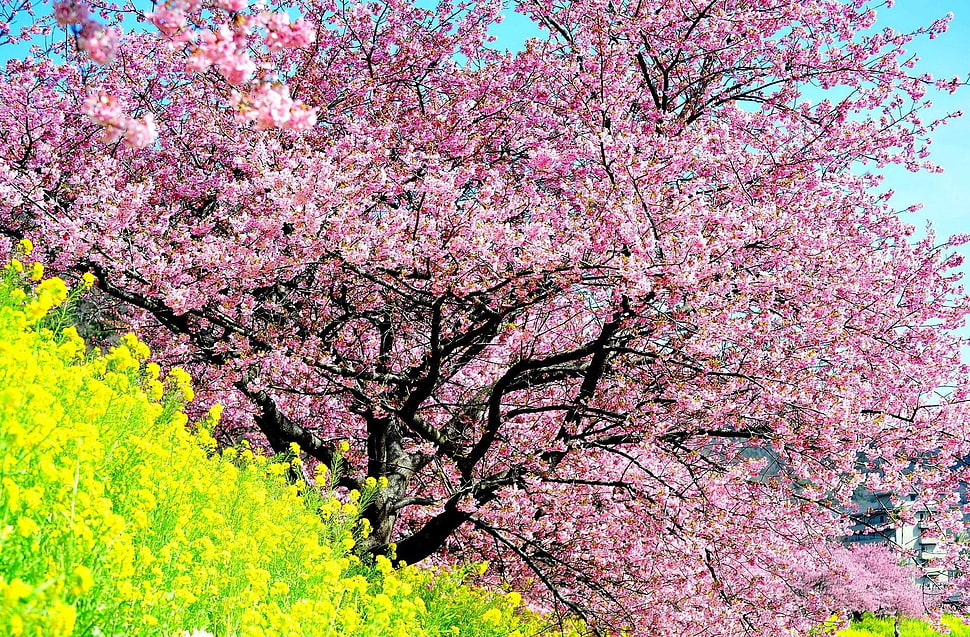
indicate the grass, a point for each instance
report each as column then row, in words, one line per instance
column 870, row 626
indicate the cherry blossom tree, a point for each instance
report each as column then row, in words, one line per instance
column 625, row 312
column 875, row 580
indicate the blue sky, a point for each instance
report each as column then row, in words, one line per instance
column 946, row 196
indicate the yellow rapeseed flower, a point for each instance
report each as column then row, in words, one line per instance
column 154, row 390
column 35, row 310
column 215, row 414
column 62, row 619
column 183, row 383
column 278, row 589
column 15, row 591
column 138, row 349
column 53, row 289
column 85, row 579
column 27, row 527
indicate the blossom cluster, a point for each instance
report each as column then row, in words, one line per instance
column 104, row 109
column 226, row 47
column 270, row 106
column 98, row 41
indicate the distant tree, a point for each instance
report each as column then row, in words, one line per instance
column 620, row 312
column 870, row 578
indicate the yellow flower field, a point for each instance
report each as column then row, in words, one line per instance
column 116, row 520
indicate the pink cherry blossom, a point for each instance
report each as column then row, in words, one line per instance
column 170, row 17
column 98, row 41
column 270, row 106
column 69, row 12
column 142, row 132
column 870, row 578
column 104, row 109
column 281, row 34
column 224, row 48
column 232, row 5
